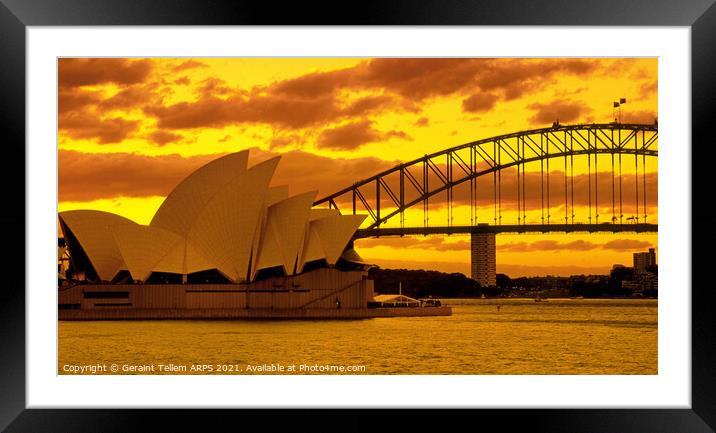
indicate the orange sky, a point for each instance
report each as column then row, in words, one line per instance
column 130, row 129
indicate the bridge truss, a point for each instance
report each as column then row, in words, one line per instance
column 390, row 193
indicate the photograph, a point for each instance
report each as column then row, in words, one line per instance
column 357, row 219
column 357, row 215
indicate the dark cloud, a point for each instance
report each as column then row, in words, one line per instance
column 189, row 64
column 547, row 245
column 216, row 86
column 479, row 103
column 204, row 112
column 210, row 111
column 371, row 104
column 421, row 78
column 512, row 270
column 76, row 100
column 563, row 111
column 435, row 243
column 450, row 267
column 85, row 114
column 131, row 97
column 315, row 84
column 161, row 138
column 648, row 89
column 315, row 99
column 639, row 116
column 627, row 245
column 298, row 169
column 439, row 243
column 283, row 141
column 576, row 245
column 87, row 126
column 85, row 72
column 353, row 135
column 88, row 176
column 518, row 76
column 279, row 110
column 522, row 270
column 423, row 121
column 398, row 134
column 417, row 79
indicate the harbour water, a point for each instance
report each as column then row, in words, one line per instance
column 561, row 336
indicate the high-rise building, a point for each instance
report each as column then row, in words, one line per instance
column 643, row 260
column 482, row 252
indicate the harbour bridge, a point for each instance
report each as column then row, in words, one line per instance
column 465, row 175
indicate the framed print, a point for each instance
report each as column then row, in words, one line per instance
column 357, row 217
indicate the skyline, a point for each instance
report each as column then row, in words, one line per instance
column 129, row 129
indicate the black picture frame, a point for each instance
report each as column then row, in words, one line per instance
column 16, row 15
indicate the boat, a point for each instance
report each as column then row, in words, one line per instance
column 401, row 305
column 430, row 302
column 538, row 298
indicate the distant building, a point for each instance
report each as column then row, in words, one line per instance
column 642, row 282
column 649, row 281
column 482, row 252
column 642, row 261
column 634, row 286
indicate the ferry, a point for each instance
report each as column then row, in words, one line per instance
column 401, row 303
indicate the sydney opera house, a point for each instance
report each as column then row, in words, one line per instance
column 223, row 244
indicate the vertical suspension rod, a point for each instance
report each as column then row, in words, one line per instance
column 519, row 198
column 494, row 180
column 402, row 197
column 472, row 203
column 499, row 185
column 596, row 181
column 541, row 174
column 636, row 175
column 449, row 189
column 612, row 154
column 571, row 171
column 425, row 192
column 589, row 180
column 621, row 210
column 566, row 203
column 549, row 208
column 474, row 183
column 643, row 170
column 377, row 201
column 524, row 191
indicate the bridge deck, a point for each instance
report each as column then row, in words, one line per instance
column 515, row 228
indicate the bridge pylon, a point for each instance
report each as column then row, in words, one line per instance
column 483, row 258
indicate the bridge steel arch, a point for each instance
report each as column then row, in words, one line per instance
column 452, row 167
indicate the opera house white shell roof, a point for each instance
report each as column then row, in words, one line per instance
column 223, row 217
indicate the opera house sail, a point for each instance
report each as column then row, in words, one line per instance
column 224, row 243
